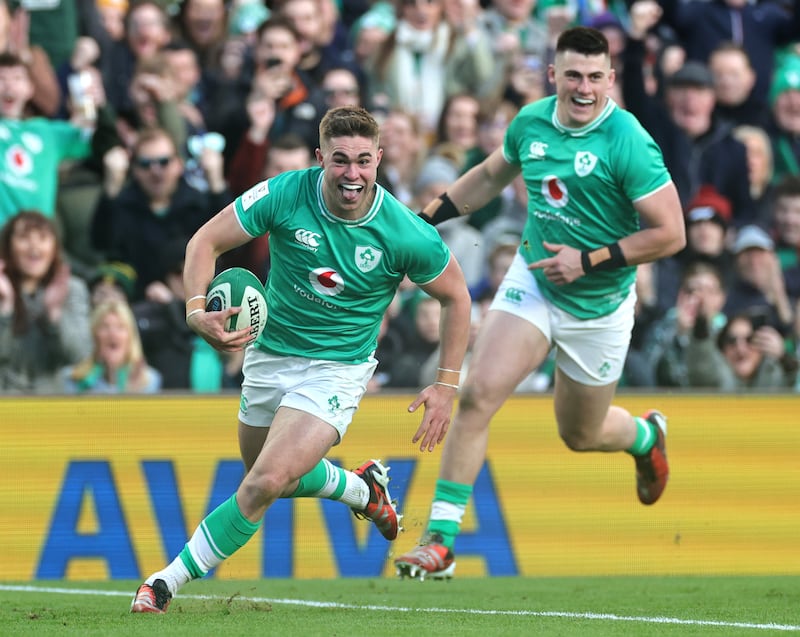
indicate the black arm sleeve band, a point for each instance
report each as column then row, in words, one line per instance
column 440, row 209
column 608, row 257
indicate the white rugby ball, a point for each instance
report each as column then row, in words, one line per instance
column 238, row 287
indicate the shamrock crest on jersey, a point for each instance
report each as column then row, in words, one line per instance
column 367, row 258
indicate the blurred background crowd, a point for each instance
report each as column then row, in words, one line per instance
column 126, row 124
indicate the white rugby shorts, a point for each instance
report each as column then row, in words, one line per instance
column 589, row 351
column 329, row 390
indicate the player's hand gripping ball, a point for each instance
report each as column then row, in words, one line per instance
column 238, row 287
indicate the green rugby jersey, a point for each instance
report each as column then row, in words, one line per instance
column 581, row 184
column 331, row 279
column 32, row 150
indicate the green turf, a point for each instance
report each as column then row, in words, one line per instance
column 639, row 606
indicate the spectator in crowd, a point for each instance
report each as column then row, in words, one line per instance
column 419, row 337
column 698, row 149
column 317, row 27
column 340, row 86
column 147, row 31
column 425, row 60
column 744, row 355
column 503, row 250
column 237, row 49
column 734, row 86
column 759, row 27
column 184, row 360
column 708, row 218
column 112, row 18
column 291, row 102
column 465, row 242
column 369, row 32
column 786, row 222
column 203, row 24
column 759, row 285
column 492, row 124
column 79, row 180
column 517, row 36
column 15, row 41
column 527, row 81
column 32, row 149
column 190, row 84
column 784, row 130
column 760, row 169
column 404, row 149
column 112, row 280
column 697, row 314
column 134, row 220
column 116, row 364
column 458, row 122
column 55, row 25
column 44, row 310
column 190, row 94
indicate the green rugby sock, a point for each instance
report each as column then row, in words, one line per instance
column 646, row 437
column 223, row 532
column 449, row 503
column 326, row 480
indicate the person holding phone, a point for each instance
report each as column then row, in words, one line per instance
column 280, row 99
column 743, row 356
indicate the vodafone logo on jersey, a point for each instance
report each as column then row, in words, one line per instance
column 555, row 191
column 326, row 281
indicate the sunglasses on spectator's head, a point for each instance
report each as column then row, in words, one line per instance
column 145, row 162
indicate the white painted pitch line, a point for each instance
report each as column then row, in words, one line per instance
column 407, row 609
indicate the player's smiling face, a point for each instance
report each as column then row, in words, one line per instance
column 351, row 168
column 582, row 84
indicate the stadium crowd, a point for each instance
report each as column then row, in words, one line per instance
column 125, row 125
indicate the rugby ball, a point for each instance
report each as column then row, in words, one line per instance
column 238, row 287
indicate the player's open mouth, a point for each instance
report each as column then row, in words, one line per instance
column 583, row 101
column 350, row 192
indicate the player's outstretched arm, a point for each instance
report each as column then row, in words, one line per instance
column 472, row 190
column 450, row 290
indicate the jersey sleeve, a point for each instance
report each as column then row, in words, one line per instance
column 638, row 161
column 426, row 256
column 256, row 208
column 71, row 141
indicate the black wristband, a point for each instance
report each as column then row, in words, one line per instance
column 608, row 257
column 440, row 209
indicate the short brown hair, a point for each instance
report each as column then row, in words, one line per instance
column 348, row 121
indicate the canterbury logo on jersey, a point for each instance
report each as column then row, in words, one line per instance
column 307, row 239
column 537, row 150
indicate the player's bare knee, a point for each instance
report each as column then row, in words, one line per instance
column 476, row 395
column 263, row 487
column 579, row 440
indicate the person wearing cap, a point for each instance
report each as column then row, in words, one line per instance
column 758, row 284
column 784, row 97
column 708, row 218
column 698, row 148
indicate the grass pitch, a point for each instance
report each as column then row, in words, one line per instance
column 585, row 606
